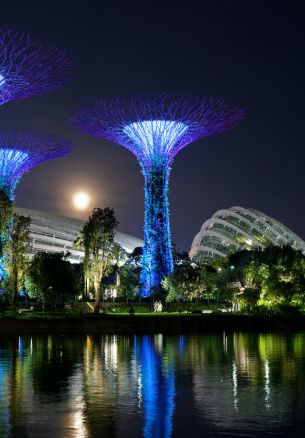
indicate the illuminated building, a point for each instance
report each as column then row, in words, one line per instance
column 53, row 233
column 236, row 228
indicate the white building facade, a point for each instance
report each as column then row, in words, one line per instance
column 237, row 228
column 53, row 233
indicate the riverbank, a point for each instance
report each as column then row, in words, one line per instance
column 141, row 324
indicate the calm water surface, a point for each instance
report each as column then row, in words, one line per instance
column 152, row 386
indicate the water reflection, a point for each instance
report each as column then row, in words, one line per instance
column 157, row 386
column 152, row 386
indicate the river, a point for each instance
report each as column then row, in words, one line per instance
column 213, row 385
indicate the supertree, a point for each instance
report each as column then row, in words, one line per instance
column 28, row 67
column 19, row 152
column 155, row 127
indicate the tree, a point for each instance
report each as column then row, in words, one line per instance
column 172, row 293
column 100, row 248
column 129, row 280
column 83, row 242
column 129, row 274
column 17, row 248
column 184, row 283
column 209, row 281
column 51, row 279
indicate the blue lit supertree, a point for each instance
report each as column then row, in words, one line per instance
column 28, row 67
column 19, row 152
column 155, row 128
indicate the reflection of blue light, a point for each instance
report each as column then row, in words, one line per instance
column 181, row 345
column 2, row 80
column 155, row 136
column 20, row 346
column 1, row 377
column 158, row 390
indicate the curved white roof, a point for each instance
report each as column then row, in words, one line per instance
column 54, row 233
column 236, row 228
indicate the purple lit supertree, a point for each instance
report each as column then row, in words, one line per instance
column 28, row 67
column 155, row 128
column 19, row 152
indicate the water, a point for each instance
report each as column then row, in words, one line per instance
column 214, row 385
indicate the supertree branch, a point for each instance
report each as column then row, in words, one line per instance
column 28, row 67
column 19, row 152
column 155, row 127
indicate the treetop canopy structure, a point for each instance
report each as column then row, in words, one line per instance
column 155, row 127
column 28, row 67
column 20, row 151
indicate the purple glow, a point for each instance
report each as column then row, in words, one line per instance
column 202, row 117
column 28, row 67
column 20, row 151
column 155, row 128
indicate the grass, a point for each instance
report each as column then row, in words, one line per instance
column 59, row 315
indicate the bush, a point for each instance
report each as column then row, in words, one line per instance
column 288, row 310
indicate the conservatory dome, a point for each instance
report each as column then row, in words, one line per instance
column 237, row 228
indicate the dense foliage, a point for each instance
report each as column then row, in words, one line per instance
column 17, row 248
column 51, row 280
column 261, row 280
column 6, row 214
column 97, row 239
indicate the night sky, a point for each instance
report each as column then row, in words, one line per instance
column 251, row 53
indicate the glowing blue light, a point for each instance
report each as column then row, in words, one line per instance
column 155, row 143
column 12, row 155
column 20, row 346
column 13, row 163
column 156, row 136
column 155, row 127
column 2, row 80
column 2, row 268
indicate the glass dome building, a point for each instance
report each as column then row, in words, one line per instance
column 53, row 233
column 237, row 228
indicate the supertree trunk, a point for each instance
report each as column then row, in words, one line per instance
column 19, row 152
column 155, row 127
column 157, row 258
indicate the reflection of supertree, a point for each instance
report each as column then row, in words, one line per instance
column 19, row 152
column 158, row 389
column 28, row 67
column 155, row 128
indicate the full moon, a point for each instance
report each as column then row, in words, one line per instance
column 81, row 200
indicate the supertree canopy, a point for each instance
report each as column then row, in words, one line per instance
column 28, row 67
column 19, row 152
column 155, row 128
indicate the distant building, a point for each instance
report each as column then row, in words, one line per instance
column 53, row 233
column 237, row 228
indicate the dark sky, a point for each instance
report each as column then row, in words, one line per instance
column 251, row 53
